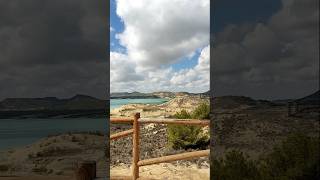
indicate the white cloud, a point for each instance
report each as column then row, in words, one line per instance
column 121, row 69
column 197, row 77
column 124, row 77
column 280, row 55
column 158, row 34
column 162, row 32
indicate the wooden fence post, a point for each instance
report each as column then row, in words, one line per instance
column 135, row 145
column 86, row 170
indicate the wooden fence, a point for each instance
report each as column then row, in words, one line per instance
column 135, row 131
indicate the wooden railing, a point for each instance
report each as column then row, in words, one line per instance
column 135, row 131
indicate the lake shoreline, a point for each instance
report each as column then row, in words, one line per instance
column 163, row 110
column 30, row 114
column 118, row 102
column 20, row 132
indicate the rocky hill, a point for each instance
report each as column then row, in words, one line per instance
column 159, row 94
column 52, row 106
column 52, row 103
column 164, row 94
column 255, row 126
column 132, row 95
column 313, row 99
column 236, row 102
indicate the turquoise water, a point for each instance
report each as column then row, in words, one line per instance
column 20, row 132
column 115, row 103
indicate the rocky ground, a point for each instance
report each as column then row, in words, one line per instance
column 154, row 144
column 254, row 127
column 55, row 157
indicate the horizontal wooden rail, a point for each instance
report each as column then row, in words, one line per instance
column 182, row 156
column 116, row 120
column 136, row 121
column 162, row 121
column 129, row 178
column 175, row 121
column 121, row 134
column 121, row 178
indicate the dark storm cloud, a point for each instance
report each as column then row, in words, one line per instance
column 275, row 59
column 53, row 48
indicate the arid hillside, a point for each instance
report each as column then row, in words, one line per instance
column 255, row 126
column 167, row 109
column 54, row 155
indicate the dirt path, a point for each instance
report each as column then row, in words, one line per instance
column 166, row 171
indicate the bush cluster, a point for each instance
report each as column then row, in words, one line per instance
column 296, row 158
column 187, row 136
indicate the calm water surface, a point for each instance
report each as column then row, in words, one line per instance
column 115, row 103
column 20, row 132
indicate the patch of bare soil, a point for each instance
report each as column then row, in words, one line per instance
column 166, row 171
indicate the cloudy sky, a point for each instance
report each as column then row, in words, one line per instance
column 159, row 45
column 53, row 48
column 267, row 49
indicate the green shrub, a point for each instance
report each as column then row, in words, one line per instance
column 183, row 114
column 187, row 136
column 296, row 158
column 235, row 166
column 201, row 112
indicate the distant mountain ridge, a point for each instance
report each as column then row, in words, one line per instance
column 77, row 102
column 159, row 94
column 313, row 98
column 310, row 99
column 132, row 95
